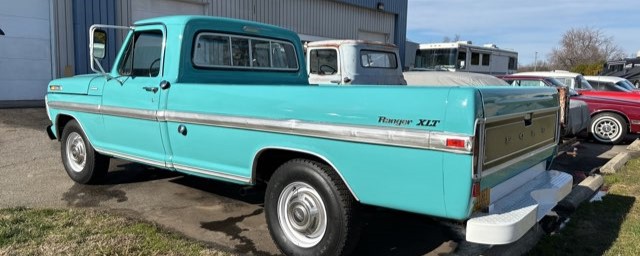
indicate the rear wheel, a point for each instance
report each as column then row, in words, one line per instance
column 608, row 128
column 83, row 164
column 310, row 211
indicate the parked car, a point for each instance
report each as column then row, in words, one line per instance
column 575, row 113
column 581, row 85
column 611, row 119
column 611, row 83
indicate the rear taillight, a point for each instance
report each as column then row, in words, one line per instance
column 475, row 189
column 456, row 143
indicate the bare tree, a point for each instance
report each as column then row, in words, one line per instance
column 584, row 46
column 448, row 39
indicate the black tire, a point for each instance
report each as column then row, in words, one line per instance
column 83, row 164
column 608, row 128
column 300, row 177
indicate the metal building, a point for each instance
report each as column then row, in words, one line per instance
column 47, row 39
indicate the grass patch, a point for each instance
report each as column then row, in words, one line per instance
column 88, row 232
column 609, row 227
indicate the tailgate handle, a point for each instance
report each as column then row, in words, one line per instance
column 528, row 119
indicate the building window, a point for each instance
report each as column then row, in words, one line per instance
column 378, row 59
column 486, row 59
column 323, row 61
column 513, row 63
column 475, row 58
column 227, row 51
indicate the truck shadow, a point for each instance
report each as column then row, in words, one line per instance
column 385, row 232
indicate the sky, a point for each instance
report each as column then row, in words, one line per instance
column 524, row 26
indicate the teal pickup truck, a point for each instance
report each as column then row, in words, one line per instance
column 230, row 100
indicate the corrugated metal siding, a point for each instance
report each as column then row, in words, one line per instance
column 323, row 18
column 63, row 38
column 85, row 14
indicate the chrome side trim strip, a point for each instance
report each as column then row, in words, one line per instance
column 129, row 112
column 364, row 134
column 213, row 173
column 90, row 108
column 131, row 158
column 515, row 160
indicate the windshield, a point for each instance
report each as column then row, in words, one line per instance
column 436, row 58
column 557, row 83
column 626, row 85
column 583, row 84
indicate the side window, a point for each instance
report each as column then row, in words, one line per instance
column 475, row 58
column 323, row 61
column 486, row 59
column 228, row 51
column 283, row 56
column 143, row 57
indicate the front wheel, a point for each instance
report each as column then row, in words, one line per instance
column 608, row 128
column 310, row 211
column 83, row 164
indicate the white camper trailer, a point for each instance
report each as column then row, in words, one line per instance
column 463, row 56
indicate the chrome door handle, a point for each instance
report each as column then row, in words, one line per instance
column 150, row 89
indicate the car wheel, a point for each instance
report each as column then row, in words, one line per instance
column 310, row 211
column 608, row 128
column 83, row 164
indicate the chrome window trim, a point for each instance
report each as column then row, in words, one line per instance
column 388, row 136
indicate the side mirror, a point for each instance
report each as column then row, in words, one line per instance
column 98, row 48
column 1, row 32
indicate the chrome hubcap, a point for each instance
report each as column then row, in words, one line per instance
column 76, row 152
column 302, row 214
column 607, row 129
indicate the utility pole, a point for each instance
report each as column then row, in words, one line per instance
column 535, row 62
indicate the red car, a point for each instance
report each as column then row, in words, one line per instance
column 612, row 117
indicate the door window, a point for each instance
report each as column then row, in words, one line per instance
column 323, row 61
column 143, row 56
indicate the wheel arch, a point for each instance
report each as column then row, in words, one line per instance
column 625, row 117
column 268, row 159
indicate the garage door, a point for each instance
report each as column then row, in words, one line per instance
column 373, row 36
column 25, row 50
column 143, row 9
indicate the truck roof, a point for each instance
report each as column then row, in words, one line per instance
column 249, row 27
column 336, row 43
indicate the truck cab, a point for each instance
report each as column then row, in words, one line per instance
column 344, row 62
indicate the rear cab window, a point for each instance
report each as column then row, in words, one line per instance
column 378, row 59
column 215, row 50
